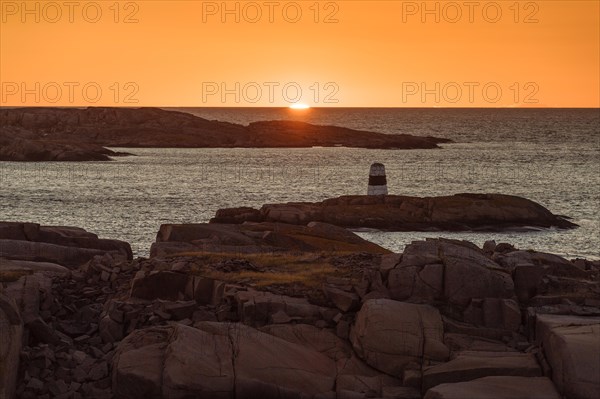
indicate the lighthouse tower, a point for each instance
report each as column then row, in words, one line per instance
column 377, row 180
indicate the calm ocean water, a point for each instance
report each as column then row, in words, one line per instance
column 549, row 156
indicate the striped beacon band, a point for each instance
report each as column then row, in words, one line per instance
column 377, row 180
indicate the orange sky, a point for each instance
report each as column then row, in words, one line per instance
column 369, row 54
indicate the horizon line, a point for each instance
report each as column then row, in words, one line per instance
column 283, row 107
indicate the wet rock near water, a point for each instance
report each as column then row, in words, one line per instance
column 460, row 212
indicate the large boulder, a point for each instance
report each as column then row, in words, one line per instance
column 173, row 362
column 496, row 388
column 572, row 347
column 434, row 270
column 354, row 377
column 530, row 270
column 391, row 336
column 217, row 360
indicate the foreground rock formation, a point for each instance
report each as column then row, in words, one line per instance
column 73, row 134
column 443, row 319
column 460, row 212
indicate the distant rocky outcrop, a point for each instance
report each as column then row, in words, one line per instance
column 18, row 148
column 460, row 212
column 80, row 134
column 443, row 319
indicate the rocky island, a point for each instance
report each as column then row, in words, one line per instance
column 274, row 310
column 460, row 212
column 78, row 134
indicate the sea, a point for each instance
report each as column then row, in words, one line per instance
column 551, row 156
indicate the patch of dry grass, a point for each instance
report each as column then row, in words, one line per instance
column 307, row 275
column 308, row 270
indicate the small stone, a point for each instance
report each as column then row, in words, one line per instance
column 337, row 318
column 95, row 340
column 116, row 315
column 489, row 246
column 87, row 364
column 110, row 330
column 47, row 353
column 180, row 310
column 62, row 373
column 45, row 374
column 75, row 386
column 35, row 385
column 344, row 301
column 41, row 363
column 58, row 387
column 107, row 348
column 81, row 338
column 99, row 371
column 79, row 375
column 343, row 329
column 162, row 315
column 79, row 356
column 180, row 267
column 97, row 352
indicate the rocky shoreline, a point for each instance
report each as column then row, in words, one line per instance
column 76, row 134
column 275, row 310
column 459, row 212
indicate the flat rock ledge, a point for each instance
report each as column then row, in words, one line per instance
column 297, row 322
column 460, row 212
column 257, row 238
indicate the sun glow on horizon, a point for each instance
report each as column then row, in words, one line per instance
column 299, row 106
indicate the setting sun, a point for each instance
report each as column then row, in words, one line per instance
column 299, row 106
